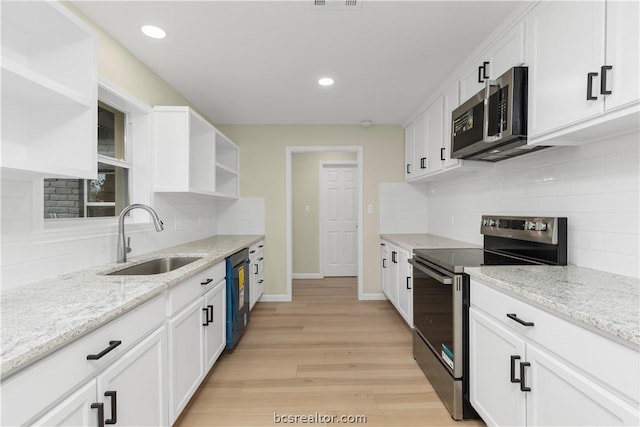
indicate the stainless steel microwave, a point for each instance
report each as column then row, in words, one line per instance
column 492, row 125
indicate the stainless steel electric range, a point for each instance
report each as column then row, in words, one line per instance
column 441, row 296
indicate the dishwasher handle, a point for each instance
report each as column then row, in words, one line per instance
column 439, row 277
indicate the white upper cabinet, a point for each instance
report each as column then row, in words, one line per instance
column 506, row 52
column 49, row 91
column 420, row 146
column 583, row 70
column 450, row 101
column 408, row 151
column 191, row 155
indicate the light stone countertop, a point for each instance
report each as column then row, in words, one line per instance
column 606, row 303
column 425, row 241
column 41, row 317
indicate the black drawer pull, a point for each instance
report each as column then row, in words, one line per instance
column 112, row 345
column 261, row 281
column 513, row 369
column 257, row 268
column 408, row 285
column 603, row 79
column 252, row 251
column 523, row 387
column 206, row 317
column 261, row 246
column 590, row 77
column 442, row 154
column 100, row 408
column 206, row 282
column 514, row 316
column 114, row 413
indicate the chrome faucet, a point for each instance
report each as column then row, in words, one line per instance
column 123, row 250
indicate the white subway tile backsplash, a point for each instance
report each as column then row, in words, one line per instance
column 596, row 186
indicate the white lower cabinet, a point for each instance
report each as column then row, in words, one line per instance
column 130, row 392
column 548, row 372
column 256, row 278
column 196, row 340
column 396, row 279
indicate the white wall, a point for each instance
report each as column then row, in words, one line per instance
column 595, row 186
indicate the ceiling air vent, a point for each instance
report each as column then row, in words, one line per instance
column 336, row 4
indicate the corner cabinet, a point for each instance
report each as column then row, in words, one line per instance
column 583, row 62
column 529, row 367
column 49, row 91
column 192, row 156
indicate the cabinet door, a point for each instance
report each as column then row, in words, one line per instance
column 472, row 81
column 408, row 152
column 565, row 42
column 420, row 146
column 393, row 274
column 384, row 266
column 405, row 283
column 139, row 381
column 214, row 331
column 450, row 101
column 75, row 410
column 507, row 52
column 494, row 396
column 186, row 366
column 435, row 122
column 622, row 51
column 561, row 395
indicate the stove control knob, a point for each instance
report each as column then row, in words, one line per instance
column 541, row 226
column 492, row 223
column 530, row 225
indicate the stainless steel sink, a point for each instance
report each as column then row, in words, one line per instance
column 155, row 266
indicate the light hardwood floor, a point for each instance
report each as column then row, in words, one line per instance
column 324, row 353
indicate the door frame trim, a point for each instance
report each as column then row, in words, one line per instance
column 289, row 151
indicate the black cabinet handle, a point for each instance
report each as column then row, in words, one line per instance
column 210, row 313
column 100, row 408
column 484, row 69
column 393, row 257
column 408, row 166
column 383, row 244
column 114, row 412
column 408, row 285
column 480, row 74
column 603, row 79
column 590, row 77
column 206, row 282
column 252, row 251
column 112, row 345
column 261, row 281
column 513, row 369
column 423, row 161
column 514, row 316
column 256, row 272
column 523, row 387
column 384, row 265
column 261, row 246
column 206, row 317
column 442, row 154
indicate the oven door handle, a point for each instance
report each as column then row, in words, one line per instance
column 439, row 277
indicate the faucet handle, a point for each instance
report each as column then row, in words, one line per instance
column 128, row 247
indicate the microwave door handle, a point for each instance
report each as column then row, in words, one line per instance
column 439, row 277
column 485, row 128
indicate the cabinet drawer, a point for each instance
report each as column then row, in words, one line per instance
column 36, row 388
column 603, row 359
column 194, row 287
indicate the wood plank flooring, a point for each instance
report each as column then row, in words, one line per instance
column 324, row 354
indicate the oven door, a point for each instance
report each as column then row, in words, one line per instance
column 438, row 313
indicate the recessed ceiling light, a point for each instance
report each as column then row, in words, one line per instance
column 325, row 81
column 153, row 31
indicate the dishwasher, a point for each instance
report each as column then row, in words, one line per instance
column 237, row 296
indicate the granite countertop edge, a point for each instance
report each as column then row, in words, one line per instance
column 26, row 339
column 410, row 241
column 605, row 303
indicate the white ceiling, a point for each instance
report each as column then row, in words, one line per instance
column 258, row 62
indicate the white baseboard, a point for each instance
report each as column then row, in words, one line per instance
column 373, row 297
column 307, row 276
column 274, row 298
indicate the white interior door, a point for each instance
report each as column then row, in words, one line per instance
column 339, row 219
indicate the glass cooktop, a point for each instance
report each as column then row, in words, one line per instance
column 455, row 260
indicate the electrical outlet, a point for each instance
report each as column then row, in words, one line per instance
column 307, row 208
column 370, row 208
